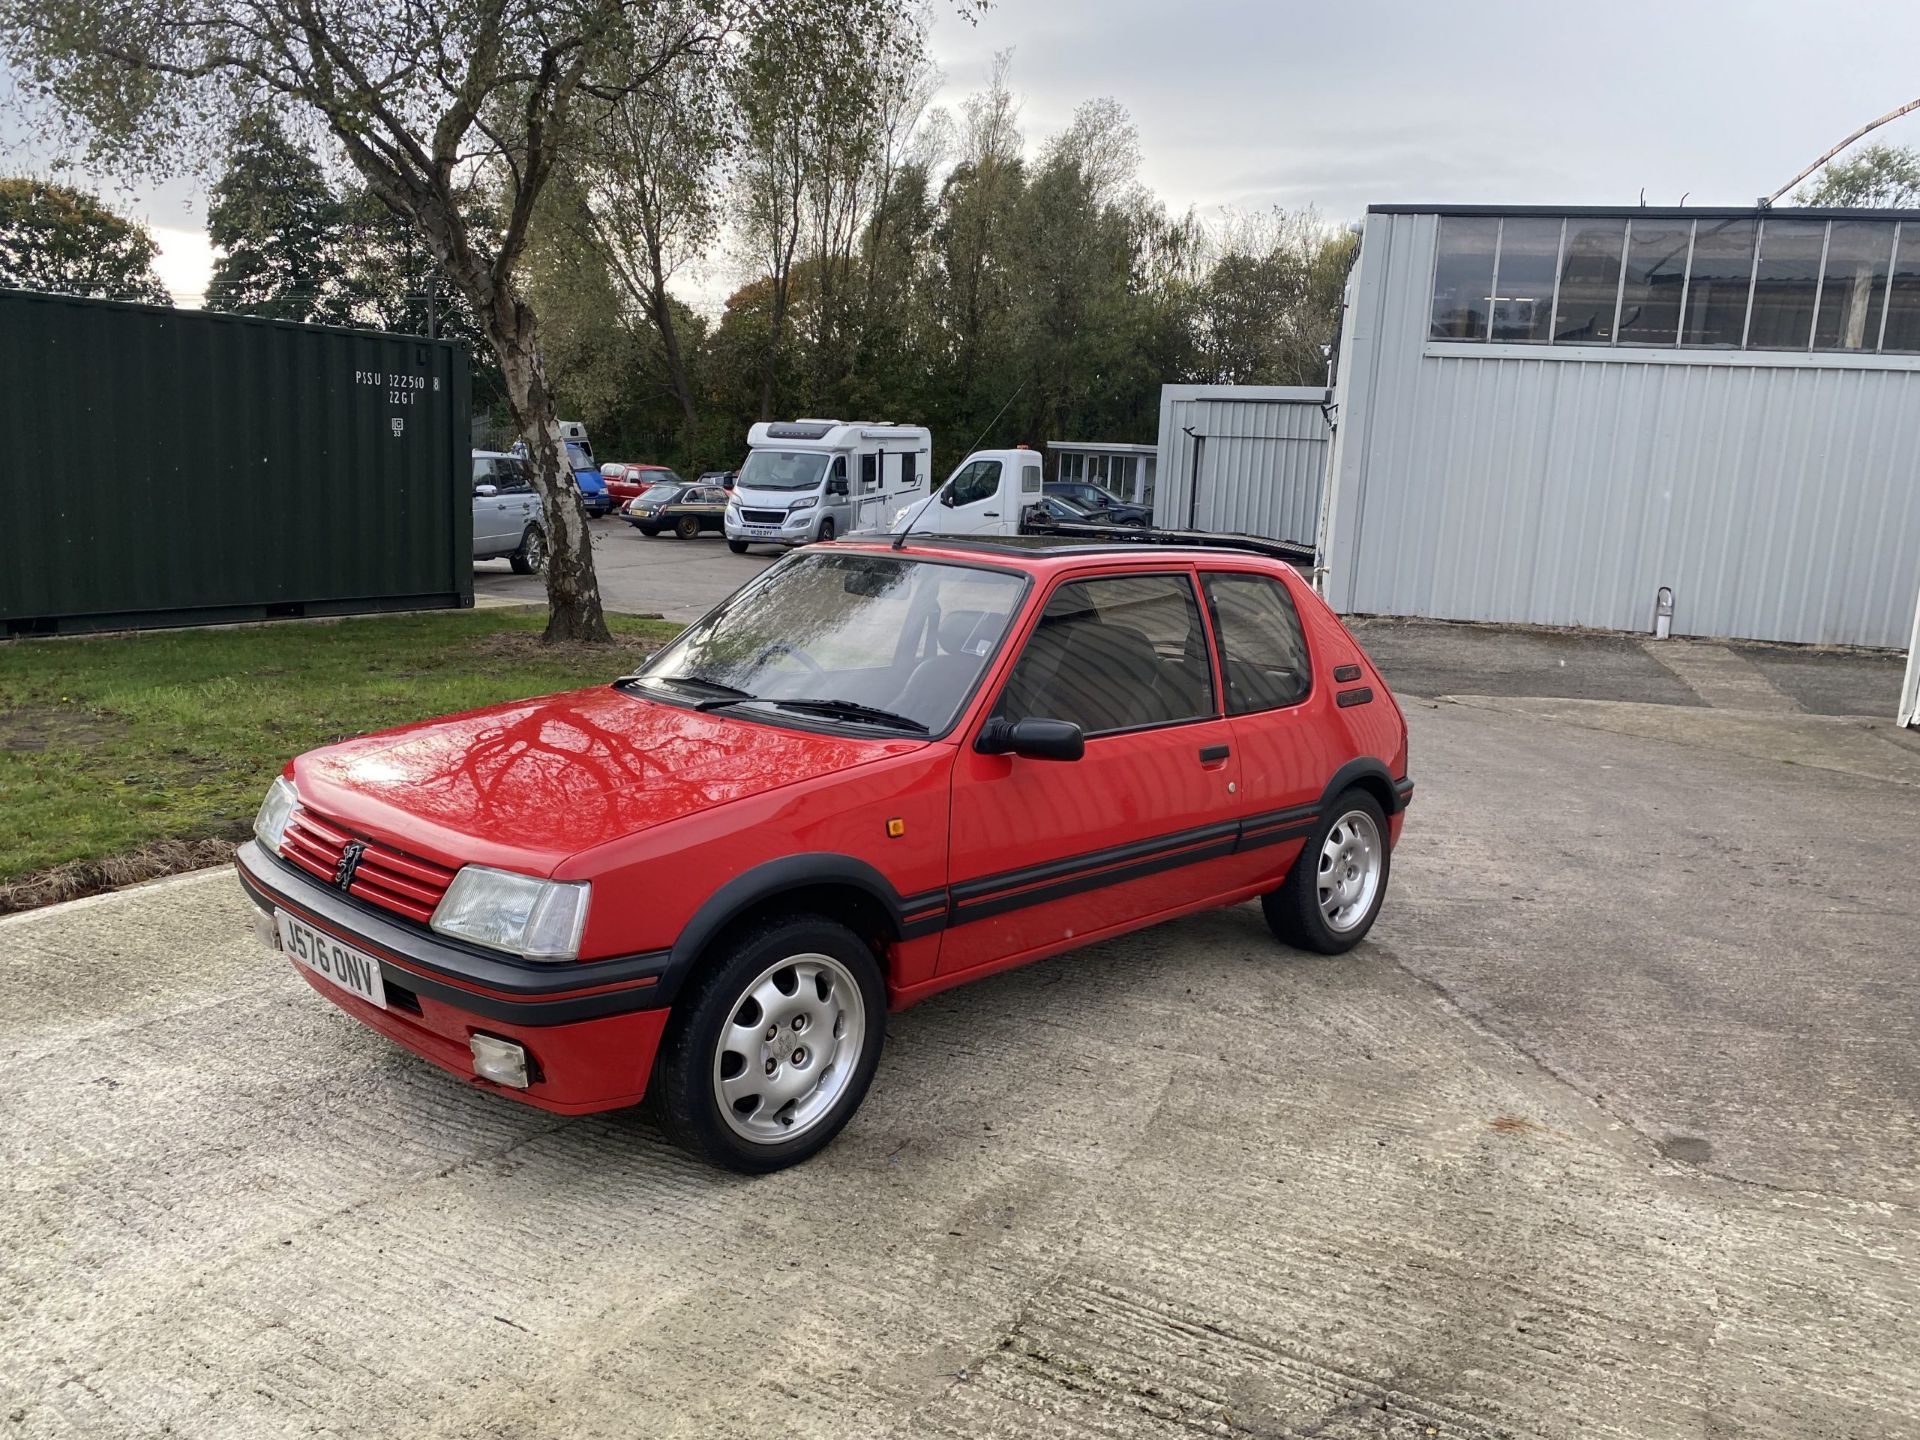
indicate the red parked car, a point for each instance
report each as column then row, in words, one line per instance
column 871, row 774
column 625, row 482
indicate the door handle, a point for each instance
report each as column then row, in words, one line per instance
column 991, row 514
column 1213, row 754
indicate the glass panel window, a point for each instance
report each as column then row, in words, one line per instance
column 979, row 480
column 1903, row 293
column 1263, row 653
column 1854, row 286
column 1718, row 283
column 1656, row 271
column 1115, row 654
column 1523, row 285
column 1589, row 282
column 1463, row 278
column 1784, row 283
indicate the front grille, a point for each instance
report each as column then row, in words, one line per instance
column 763, row 517
column 389, row 878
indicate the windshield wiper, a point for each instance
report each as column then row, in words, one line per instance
column 722, row 694
column 852, row 710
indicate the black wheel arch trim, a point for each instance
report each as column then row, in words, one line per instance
column 1368, row 768
column 906, row 917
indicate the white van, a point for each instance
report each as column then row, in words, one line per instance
column 988, row 494
column 814, row 479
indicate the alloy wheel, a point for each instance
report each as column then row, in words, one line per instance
column 1349, row 870
column 789, row 1048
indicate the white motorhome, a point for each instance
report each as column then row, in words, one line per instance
column 988, row 494
column 814, row 479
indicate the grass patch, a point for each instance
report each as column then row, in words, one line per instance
column 128, row 745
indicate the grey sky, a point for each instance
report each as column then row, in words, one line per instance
column 1338, row 105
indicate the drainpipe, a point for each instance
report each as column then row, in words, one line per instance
column 1193, row 484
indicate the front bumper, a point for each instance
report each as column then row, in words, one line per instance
column 796, row 529
column 591, row 1027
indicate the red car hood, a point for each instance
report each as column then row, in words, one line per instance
column 525, row 785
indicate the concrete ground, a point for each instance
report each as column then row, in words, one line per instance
column 664, row 575
column 1609, row 1130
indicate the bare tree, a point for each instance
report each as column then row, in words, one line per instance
column 426, row 101
column 811, row 95
column 650, row 174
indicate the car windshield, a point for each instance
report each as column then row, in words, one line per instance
column 884, row 641
column 577, row 454
column 782, row 470
column 659, row 494
column 1072, row 508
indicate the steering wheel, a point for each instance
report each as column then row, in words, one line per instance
column 781, row 647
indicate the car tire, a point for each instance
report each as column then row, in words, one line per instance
column 687, row 527
column 1331, row 897
column 738, row 547
column 648, row 530
column 826, row 530
column 801, row 976
column 531, row 557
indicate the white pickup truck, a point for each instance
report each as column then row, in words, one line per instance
column 988, row 494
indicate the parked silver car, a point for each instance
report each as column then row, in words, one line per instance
column 506, row 513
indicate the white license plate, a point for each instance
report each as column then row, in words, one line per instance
column 769, row 532
column 352, row 970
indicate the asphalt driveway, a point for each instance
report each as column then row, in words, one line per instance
column 1610, row 1130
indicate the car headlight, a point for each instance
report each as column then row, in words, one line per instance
column 523, row 914
column 805, row 502
column 270, row 825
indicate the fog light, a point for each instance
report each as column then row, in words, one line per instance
column 500, row 1061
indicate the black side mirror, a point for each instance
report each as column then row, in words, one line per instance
column 837, row 485
column 1034, row 739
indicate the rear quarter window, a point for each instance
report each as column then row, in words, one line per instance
column 1263, row 649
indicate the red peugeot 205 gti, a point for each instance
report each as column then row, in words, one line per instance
column 871, row 774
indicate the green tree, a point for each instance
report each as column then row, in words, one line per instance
column 63, row 240
column 1878, row 176
column 1270, row 301
column 275, row 223
column 421, row 99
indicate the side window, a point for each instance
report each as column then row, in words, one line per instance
column 1263, row 652
column 978, row 481
column 839, row 470
column 512, row 478
column 869, row 472
column 482, row 475
column 1030, row 480
column 1113, row 654
column 908, row 468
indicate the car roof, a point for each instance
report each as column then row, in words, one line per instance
column 1148, row 549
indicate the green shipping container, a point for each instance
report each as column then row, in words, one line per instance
column 178, row 467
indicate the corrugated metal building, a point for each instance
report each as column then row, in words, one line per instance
column 1242, row 458
column 1548, row 416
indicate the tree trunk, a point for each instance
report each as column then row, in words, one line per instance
column 573, row 589
column 662, row 306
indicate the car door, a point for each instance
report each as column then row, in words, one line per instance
column 1044, row 852
column 489, row 511
column 522, row 506
column 971, row 503
column 1267, row 680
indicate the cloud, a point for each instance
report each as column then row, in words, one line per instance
column 185, row 263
